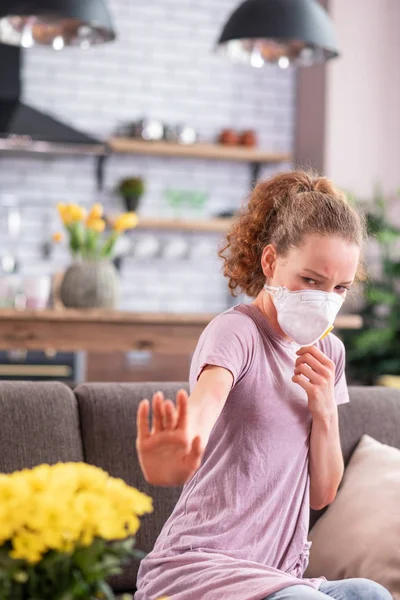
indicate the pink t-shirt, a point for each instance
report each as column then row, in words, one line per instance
column 239, row 529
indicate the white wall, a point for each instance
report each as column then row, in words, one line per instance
column 362, row 143
column 162, row 66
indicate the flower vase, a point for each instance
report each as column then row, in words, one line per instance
column 90, row 284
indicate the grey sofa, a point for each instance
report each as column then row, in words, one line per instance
column 47, row 423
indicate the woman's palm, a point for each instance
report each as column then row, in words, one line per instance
column 167, row 455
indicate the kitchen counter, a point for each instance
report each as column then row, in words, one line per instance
column 111, row 331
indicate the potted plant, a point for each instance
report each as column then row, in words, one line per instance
column 91, row 281
column 131, row 189
column 372, row 352
column 64, row 529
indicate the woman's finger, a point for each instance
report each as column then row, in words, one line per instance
column 317, row 353
column 182, row 409
column 170, row 415
column 158, row 412
column 142, row 420
column 314, row 363
column 311, row 375
column 196, row 451
column 303, row 382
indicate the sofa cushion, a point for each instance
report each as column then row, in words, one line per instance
column 39, row 424
column 108, row 424
column 371, row 410
column 359, row 534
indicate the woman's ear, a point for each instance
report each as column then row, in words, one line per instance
column 268, row 260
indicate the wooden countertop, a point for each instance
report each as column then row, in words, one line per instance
column 121, row 316
column 110, row 331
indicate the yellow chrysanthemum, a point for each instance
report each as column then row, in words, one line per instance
column 28, row 546
column 57, row 507
column 125, row 221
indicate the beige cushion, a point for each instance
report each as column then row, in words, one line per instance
column 359, row 535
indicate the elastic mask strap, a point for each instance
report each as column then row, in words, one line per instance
column 327, row 332
column 271, row 289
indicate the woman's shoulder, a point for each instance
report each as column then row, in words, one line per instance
column 333, row 347
column 236, row 321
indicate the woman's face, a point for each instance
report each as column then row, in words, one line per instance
column 327, row 263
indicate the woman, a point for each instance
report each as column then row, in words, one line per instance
column 257, row 442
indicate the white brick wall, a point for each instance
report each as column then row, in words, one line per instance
column 161, row 66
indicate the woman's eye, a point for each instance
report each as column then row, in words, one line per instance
column 309, row 281
column 341, row 289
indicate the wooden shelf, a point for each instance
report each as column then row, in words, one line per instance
column 203, row 225
column 121, row 145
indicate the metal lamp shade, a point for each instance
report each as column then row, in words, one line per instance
column 286, row 32
column 54, row 23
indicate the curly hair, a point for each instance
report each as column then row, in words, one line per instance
column 281, row 211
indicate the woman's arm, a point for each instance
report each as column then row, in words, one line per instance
column 315, row 373
column 171, row 451
column 326, row 460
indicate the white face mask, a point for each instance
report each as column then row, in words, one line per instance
column 305, row 315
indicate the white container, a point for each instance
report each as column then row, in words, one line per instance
column 36, row 291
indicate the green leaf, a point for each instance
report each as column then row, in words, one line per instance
column 391, row 269
column 380, row 293
column 369, row 340
column 108, row 247
column 387, row 235
column 390, row 366
column 76, row 237
column 105, row 591
column 91, row 241
column 379, row 199
column 351, row 199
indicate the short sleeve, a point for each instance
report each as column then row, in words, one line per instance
column 334, row 348
column 228, row 341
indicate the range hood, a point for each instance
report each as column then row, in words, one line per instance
column 26, row 129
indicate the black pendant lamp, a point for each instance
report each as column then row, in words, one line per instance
column 54, row 23
column 285, row 32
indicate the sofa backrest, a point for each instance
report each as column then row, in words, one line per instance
column 39, row 423
column 374, row 411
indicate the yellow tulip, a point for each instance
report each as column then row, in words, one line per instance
column 77, row 213
column 96, row 212
column 97, row 225
column 71, row 213
column 126, row 221
column 62, row 209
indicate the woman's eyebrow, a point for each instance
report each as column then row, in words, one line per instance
column 319, row 276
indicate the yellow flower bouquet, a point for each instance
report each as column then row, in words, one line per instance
column 64, row 529
column 85, row 230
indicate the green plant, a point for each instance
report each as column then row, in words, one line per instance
column 131, row 186
column 374, row 350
